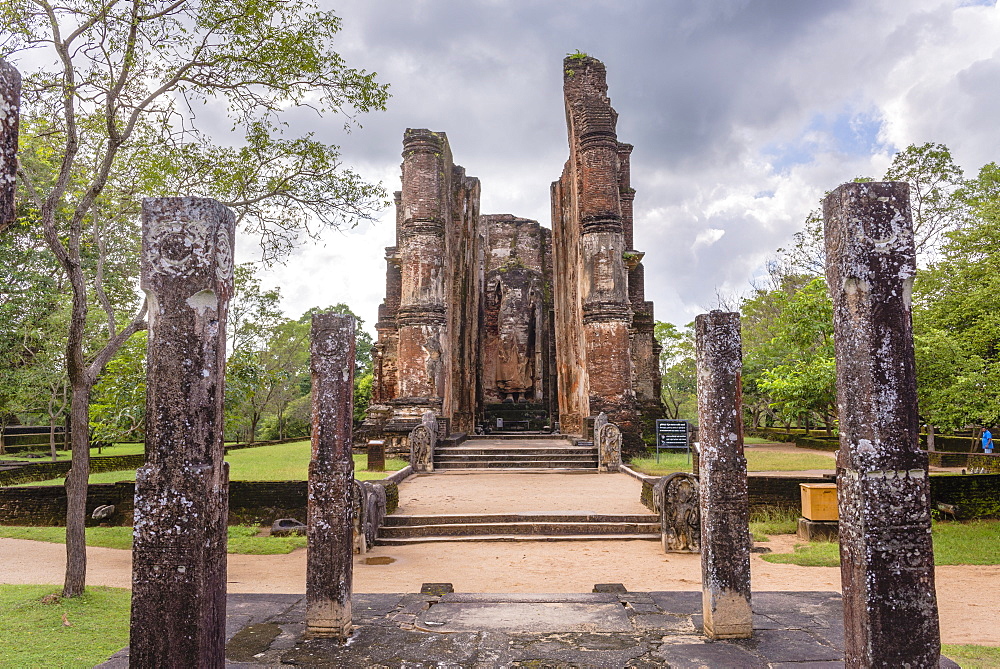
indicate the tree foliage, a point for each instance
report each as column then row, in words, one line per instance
column 110, row 116
column 678, row 371
column 956, row 303
column 787, row 330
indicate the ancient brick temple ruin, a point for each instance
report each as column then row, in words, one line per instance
column 494, row 320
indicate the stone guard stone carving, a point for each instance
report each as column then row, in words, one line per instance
column 608, row 439
column 369, row 502
column 423, row 438
column 421, row 450
column 676, row 499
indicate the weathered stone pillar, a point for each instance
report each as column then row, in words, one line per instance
column 724, row 502
column 182, row 492
column 329, row 561
column 421, row 247
column 604, row 283
column 10, row 107
column 887, row 563
column 626, row 193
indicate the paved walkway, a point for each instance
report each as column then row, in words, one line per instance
column 609, row 629
column 485, row 492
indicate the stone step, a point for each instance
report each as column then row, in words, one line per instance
column 507, row 469
column 518, row 529
column 381, row 541
column 513, row 450
column 521, row 464
column 472, row 456
column 534, row 517
column 519, row 436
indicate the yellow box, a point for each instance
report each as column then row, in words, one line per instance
column 819, row 501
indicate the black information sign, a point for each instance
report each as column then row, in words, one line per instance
column 672, row 435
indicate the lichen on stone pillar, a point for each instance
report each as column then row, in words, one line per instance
column 181, row 494
column 329, row 558
column 10, row 108
column 724, row 500
column 887, row 562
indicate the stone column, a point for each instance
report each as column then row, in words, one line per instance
column 421, row 316
column 604, row 286
column 182, row 492
column 626, row 193
column 887, row 564
column 724, row 502
column 10, row 106
column 329, row 566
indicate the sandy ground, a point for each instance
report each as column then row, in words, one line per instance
column 968, row 597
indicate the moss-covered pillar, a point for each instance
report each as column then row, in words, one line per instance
column 887, row 562
column 10, row 108
column 182, row 492
column 329, row 557
column 724, row 500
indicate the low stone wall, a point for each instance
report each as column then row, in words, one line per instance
column 765, row 491
column 43, row 471
column 974, row 495
column 976, row 463
column 945, row 443
column 250, row 502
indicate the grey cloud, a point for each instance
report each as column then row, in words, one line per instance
column 701, row 88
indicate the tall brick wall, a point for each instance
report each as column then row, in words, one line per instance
column 593, row 238
column 483, row 309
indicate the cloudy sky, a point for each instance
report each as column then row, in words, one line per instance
column 742, row 114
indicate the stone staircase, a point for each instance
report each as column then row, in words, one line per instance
column 403, row 530
column 517, row 453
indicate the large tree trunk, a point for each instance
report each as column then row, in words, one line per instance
column 76, row 495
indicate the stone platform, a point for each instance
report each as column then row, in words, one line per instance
column 605, row 629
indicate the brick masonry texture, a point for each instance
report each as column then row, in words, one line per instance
column 486, row 309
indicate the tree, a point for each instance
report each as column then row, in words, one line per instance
column 113, row 120
column 788, row 365
column 935, row 181
column 955, row 305
column 266, row 379
column 118, row 406
column 678, row 370
column 33, row 312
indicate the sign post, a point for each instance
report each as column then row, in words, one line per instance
column 672, row 435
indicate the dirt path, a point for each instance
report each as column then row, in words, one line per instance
column 464, row 492
column 968, row 596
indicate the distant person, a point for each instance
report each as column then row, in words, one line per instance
column 987, row 441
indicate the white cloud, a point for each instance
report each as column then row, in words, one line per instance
column 742, row 115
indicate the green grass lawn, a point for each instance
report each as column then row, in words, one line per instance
column 35, row 634
column 757, row 461
column 972, row 657
column 243, row 540
column 114, row 449
column 279, row 462
column 973, row 542
column 773, row 520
